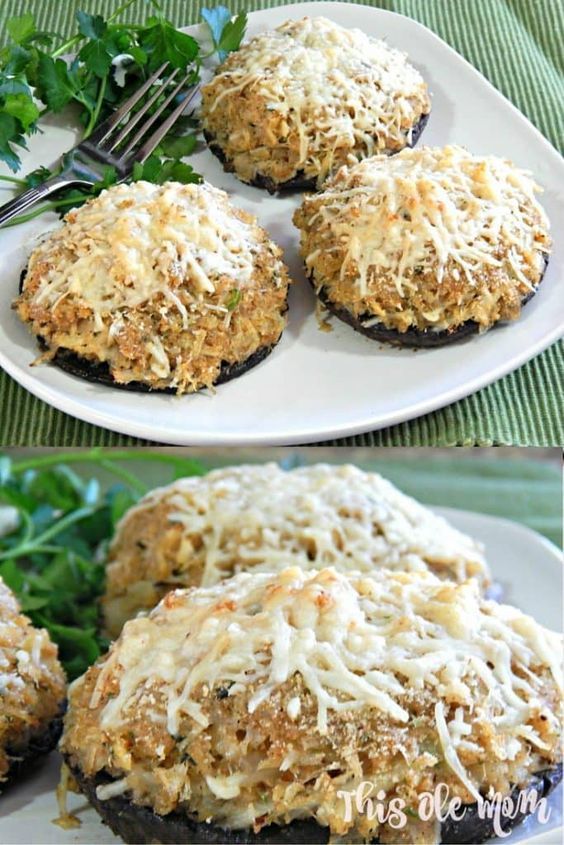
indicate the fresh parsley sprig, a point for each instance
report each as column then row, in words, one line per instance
column 52, row 553
column 226, row 33
column 110, row 60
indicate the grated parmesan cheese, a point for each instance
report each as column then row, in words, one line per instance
column 200, row 530
column 136, row 242
column 26, row 652
column 429, row 209
column 357, row 641
column 32, row 682
column 334, row 88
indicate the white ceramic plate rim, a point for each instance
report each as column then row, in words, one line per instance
column 323, row 428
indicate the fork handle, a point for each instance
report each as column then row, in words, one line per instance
column 33, row 195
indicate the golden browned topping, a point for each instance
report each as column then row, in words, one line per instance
column 427, row 239
column 305, row 97
column 32, row 682
column 258, row 700
column 165, row 283
column 199, row 530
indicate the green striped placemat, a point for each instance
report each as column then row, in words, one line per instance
column 517, row 45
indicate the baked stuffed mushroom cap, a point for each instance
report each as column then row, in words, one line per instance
column 32, row 690
column 246, row 707
column 200, row 530
column 427, row 246
column 297, row 102
column 161, row 287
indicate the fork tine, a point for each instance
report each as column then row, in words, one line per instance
column 110, row 124
column 134, row 120
column 145, row 151
column 154, row 117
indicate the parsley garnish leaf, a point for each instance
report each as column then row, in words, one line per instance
column 232, row 35
column 91, row 26
column 178, row 146
column 233, row 300
column 34, row 66
column 53, row 559
column 10, row 135
column 216, row 20
column 23, row 108
column 162, row 43
column 226, row 34
column 58, row 85
column 95, row 54
column 21, row 28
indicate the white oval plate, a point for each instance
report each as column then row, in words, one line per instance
column 318, row 385
column 528, row 567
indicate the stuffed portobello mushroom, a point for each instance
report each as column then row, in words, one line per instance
column 156, row 287
column 297, row 102
column 32, row 690
column 426, row 247
column 249, row 711
column 200, row 530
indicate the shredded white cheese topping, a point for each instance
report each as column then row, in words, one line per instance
column 22, row 658
column 335, row 86
column 357, row 641
column 427, row 208
column 255, row 516
column 136, row 242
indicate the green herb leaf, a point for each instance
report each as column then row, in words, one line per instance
column 37, row 177
column 178, row 146
column 95, row 55
column 22, row 107
column 232, row 35
column 14, row 86
column 28, row 603
column 163, row 43
column 58, row 86
column 149, row 171
column 21, row 28
column 15, row 60
column 10, row 135
column 137, row 172
column 216, row 19
column 233, row 299
column 31, row 66
column 138, row 54
column 53, row 559
column 226, row 34
column 160, row 170
column 91, row 26
column 184, row 173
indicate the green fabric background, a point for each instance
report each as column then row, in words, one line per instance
column 517, row 45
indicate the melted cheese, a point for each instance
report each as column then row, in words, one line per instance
column 357, row 642
column 428, row 208
column 255, row 516
column 137, row 243
column 333, row 86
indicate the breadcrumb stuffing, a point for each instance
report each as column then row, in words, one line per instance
column 307, row 97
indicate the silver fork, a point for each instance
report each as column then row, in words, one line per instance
column 85, row 163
